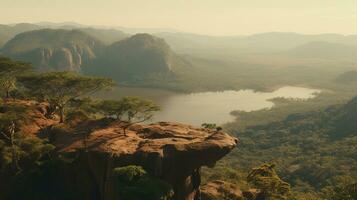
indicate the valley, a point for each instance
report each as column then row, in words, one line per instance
column 289, row 98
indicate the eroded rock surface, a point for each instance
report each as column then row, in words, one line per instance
column 171, row 151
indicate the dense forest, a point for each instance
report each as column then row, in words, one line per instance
column 315, row 151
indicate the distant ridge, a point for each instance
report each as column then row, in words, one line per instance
column 324, row 50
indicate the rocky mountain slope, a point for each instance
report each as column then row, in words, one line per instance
column 141, row 56
column 134, row 59
column 49, row 49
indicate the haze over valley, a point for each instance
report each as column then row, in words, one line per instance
column 178, row 100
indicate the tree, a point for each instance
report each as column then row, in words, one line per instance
column 211, row 126
column 10, row 117
column 342, row 188
column 136, row 184
column 268, row 182
column 58, row 88
column 129, row 110
column 15, row 146
column 9, row 71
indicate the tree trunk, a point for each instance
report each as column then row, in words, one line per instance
column 124, row 129
column 7, row 94
column 61, row 109
column 15, row 165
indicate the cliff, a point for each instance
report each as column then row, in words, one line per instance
column 137, row 58
column 49, row 49
column 170, row 151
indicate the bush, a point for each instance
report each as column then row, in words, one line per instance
column 136, row 184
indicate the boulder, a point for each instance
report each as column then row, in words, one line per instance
column 172, row 152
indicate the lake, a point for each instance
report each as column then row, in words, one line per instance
column 209, row 107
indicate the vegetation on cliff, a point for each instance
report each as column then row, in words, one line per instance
column 26, row 158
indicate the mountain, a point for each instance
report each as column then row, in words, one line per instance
column 256, row 43
column 107, row 36
column 324, row 50
column 140, row 57
column 50, row 49
column 7, row 32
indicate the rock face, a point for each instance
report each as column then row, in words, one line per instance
column 171, row 151
column 221, row 190
column 50, row 49
column 141, row 56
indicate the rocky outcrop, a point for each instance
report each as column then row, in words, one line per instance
column 47, row 49
column 221, row 190
column 68, row 58
column 139, row 57
column 170, row 151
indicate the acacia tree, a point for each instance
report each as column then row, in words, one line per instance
column 59, row 88
column 129, row 110
column 9, row 71
column 211, row 126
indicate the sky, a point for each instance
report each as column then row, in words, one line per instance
column 210, row 17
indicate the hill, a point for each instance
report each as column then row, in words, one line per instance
column 141, row 57
column 107, row 36
column 7, row 32
column 257, row 43
column 324, row 50
column 50, row 49
column 348, row 77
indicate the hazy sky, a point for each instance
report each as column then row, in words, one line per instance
column 214, row 17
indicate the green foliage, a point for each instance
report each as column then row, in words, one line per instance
column 29, row 150
column 211, row 126
column 130, row 110
column 46, row 181
column 268, row 182
column 58, row 88
column 18, row 151
column 309, row 147
column 136, row 184
column 342, row 188
column 9, row 71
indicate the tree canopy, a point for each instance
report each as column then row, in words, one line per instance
column 9, row 71
column 58, row 88
column 136, row 184
column 129, row 110
column 268, row 182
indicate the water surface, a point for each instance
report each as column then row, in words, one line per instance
column 209, row 107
